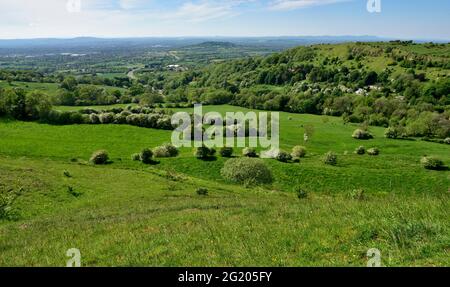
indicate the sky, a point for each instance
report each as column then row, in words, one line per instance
column 402, row 19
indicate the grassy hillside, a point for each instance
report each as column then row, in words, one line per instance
column 127, row 213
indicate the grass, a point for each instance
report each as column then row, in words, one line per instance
column 127, row 213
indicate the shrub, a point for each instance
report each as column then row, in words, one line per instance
column 298, row 152
column 246, row 170
column 67, row 173
column 136, row 157
column 283, row 156
column 330, row 158
column 94, row 119
column 7, row 199
column 226, row 152
column 99, row 157
column 106, row 118
column 202, row 191
column 166, row 150
column 301, row 193
column 447, row 141
column 204, row 152
column 391, row 133
column 432, row 163
column 360, row 150
column 373, row 151
column 146, row 156
column 356, row 194
column 362, row 135
column 249, row 152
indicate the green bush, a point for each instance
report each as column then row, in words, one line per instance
column 373, row 151
column 249, row 152
column 360, row 150
column 447, row 141
column 301, row 193
column 298, row 152
column 361, row 134
column 247, row 171
column 330, row 158
column 226, row 152
column 99, row 157
column 391, row 133
column 283, row 156
column 146, row 156
column 204, row 152
column 202, row 191
column 432, row 163
column 7, row 199
column 166, row 150
column 106, row 118
column 136, row 157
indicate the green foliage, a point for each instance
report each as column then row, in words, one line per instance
column 301, row 193
column 204, row 152
column 248, row 171
column 447, row 141
column 99, row 157
column 249, row 152
column 361, row 134
column 283, row 156
column 360, row 150
column 136, row 157
column 432, row 163
column 146, row 156
column 358, row 194
column 226, row 152
column 373, row 151
column 166, row 150
column 391, row 133
column 7, row 198
column 330, row 158
column 202, row 191
column 298, row 152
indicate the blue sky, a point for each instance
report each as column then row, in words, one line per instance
column 406, row 19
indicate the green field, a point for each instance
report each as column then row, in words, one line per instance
column 127, row 213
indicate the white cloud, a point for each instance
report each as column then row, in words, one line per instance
column 298, row 4
column 203, row 11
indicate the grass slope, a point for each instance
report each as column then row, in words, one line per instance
column 132, row 214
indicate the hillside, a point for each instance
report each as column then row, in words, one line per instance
column 127, row 213
column 397, row 84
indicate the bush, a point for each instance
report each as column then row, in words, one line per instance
column 283, row 156
column 391, row 133
column 330, row 158
column 99, row 157
column 357, row 194
column 301, row 193
column 432, row 163
column 373, row 151
column 360, row 150
column 106, row 118
column 7, row 199
column 204, row 152
column 136, row 157
column 202, row 191
column 362, row 135
column 298, row 152
column 247, row 171
column 249, row 152
column 166, row 150
column 447, row 141
column 146, row 156
column 226, row 152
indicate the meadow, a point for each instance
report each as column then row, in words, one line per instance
column 127, row 213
